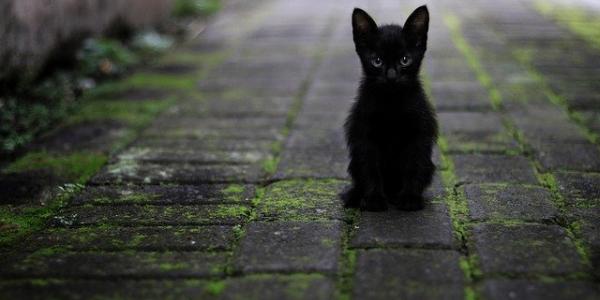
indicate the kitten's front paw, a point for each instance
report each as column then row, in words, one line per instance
column 410, row 202
column 374, row 204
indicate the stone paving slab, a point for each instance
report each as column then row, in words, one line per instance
column 116, row 264
column 525, row 289
column 212, row 237
column 510, row 202
column 525, row 249
column 302, row 200
column 269, row 287
column 151, row 215
column 165, row 194
column 126, row 171
column 290, row 247
column 232, row 192
column 426, row 228
column 476, row 132
column 484, row 168
column 408, row 274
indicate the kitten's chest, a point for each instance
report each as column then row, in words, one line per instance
column 390, row 129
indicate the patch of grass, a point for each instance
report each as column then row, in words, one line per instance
column 76, row 167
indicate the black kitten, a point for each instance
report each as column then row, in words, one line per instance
column 391, row 128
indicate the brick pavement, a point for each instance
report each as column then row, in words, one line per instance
column 231, row 193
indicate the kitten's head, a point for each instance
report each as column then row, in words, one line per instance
column 390, row 53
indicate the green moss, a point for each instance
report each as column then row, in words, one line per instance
column 231, row 211
column 269, row 165
column 135, row 113
column 233, row 192
column 215, row 288
column 166, row 266
column 75, row 167
column 160, row 81
column 300, row 199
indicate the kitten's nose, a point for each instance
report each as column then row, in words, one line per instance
column 391, row 74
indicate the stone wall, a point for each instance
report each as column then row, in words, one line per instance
column 32, row 29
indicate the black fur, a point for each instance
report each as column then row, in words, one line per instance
column 391, row 129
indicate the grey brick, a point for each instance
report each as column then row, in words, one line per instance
column 528, row 289
column 290, row 247
column 525, row 249
column 430, row 227
column 488, row 168
column 408, row 274
column 501, row 202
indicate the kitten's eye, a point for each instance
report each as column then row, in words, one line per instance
column 376, row 62
column 405, row 61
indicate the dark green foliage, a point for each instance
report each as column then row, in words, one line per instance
column 104, row 58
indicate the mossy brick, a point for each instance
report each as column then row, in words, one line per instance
column 134, row 94
column 231, row 104
column 167, row 238
column 265, row 87
column 546, row 124
column 408, row 274
column 173, row 69
column 134, row 172
column 193, row 156
column 478, row 132
column 105, row 289
column 430, row 227
column 210, row 144
column 496, row 289
column 325, row 88
column 207, row 133
column 268, row 287
column 310, row 199
column 567, row 156
column 312, row 164
column 525, row 249
column 502, row 202
column 290, row 247
column 460, row 96
column 37, row 187
column 276, row 286
column 166, row 194
column 579, row 189
column 116, row 264
column 493, row 168
column 98, row 136
column 218, row 122
column 151, row 215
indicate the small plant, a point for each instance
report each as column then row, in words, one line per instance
column 104, row 58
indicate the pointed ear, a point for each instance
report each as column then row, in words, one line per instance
column 416, row 26
column 363, row 27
